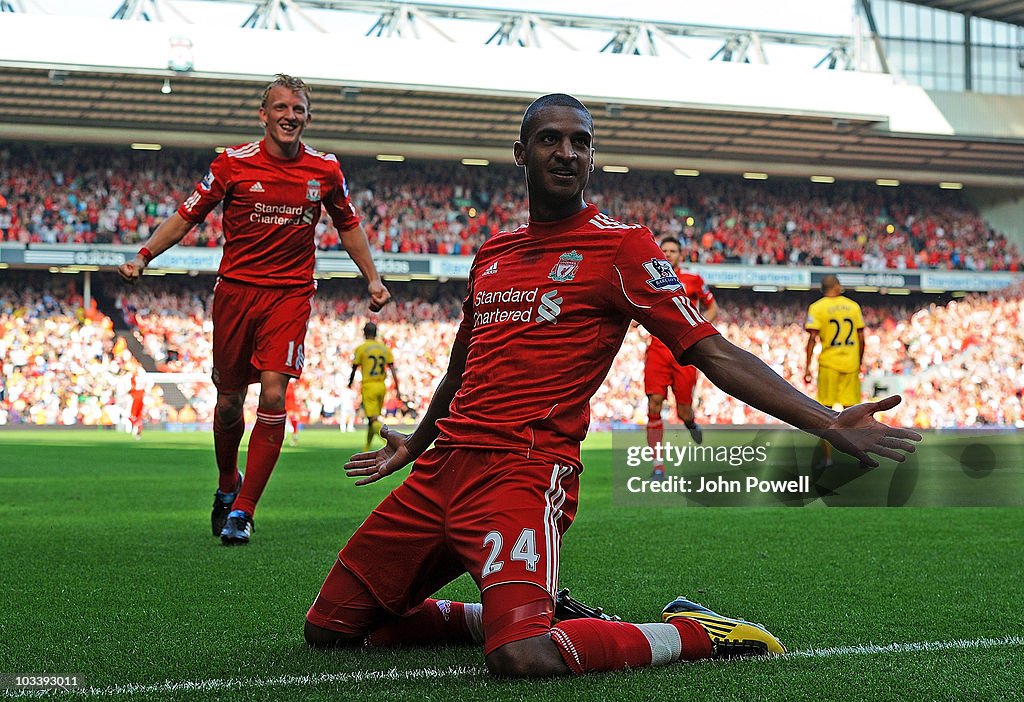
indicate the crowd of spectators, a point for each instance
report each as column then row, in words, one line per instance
column 174, row 329
column 100, row 195
column 104, row 195
column 60, row 362
column 957, row 362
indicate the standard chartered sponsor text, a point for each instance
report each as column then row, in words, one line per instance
column 511, row 296
column 277, row 214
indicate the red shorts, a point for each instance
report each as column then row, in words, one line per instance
column 498, row 516
column 662, row 371
column 257, row 329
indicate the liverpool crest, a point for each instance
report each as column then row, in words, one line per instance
column 313, row 191
column 566, row 267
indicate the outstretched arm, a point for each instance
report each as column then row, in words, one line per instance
column 402, row 449
column 170, row 232
column 854, row 431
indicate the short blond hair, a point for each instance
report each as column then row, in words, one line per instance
column 286, row 81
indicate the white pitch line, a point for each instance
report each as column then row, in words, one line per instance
column 462, row 671
column 877, row 649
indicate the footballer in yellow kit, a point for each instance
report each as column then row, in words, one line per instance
column 838, row 322
column 373, row 359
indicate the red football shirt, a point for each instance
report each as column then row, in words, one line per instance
column 547, row 309
column 697, row 291
column 271, row 209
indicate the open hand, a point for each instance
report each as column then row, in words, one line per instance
column 855, row 431
column 374, row 465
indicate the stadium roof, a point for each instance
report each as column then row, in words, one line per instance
column 72, row 79
column 126, row 107
column 1010, row 11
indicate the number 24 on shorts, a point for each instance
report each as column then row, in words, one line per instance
column 525, row 550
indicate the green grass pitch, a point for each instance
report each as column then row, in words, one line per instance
column 110, row 572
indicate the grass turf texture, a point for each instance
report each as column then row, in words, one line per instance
column 110, row 572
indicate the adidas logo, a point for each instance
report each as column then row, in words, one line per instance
column 491, row 269
column 445, row 607
column 716, row 628
column 257, row 187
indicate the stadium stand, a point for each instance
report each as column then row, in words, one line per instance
column 955, row 360
column 60, row 363
column 103, row 195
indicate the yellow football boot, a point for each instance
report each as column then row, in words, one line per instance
column 730, row 638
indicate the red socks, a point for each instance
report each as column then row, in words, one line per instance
column 226, row 438
column 586, row 645
column 655, row 429
column 595, row 645
column 264, row 449
column 655, row 432
column 436, row 622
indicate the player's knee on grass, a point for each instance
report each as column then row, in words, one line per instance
column 517, row 620
column 536, row 657
column 343, row 612
column 318, row 637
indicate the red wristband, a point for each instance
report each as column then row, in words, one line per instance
column 146, row 254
